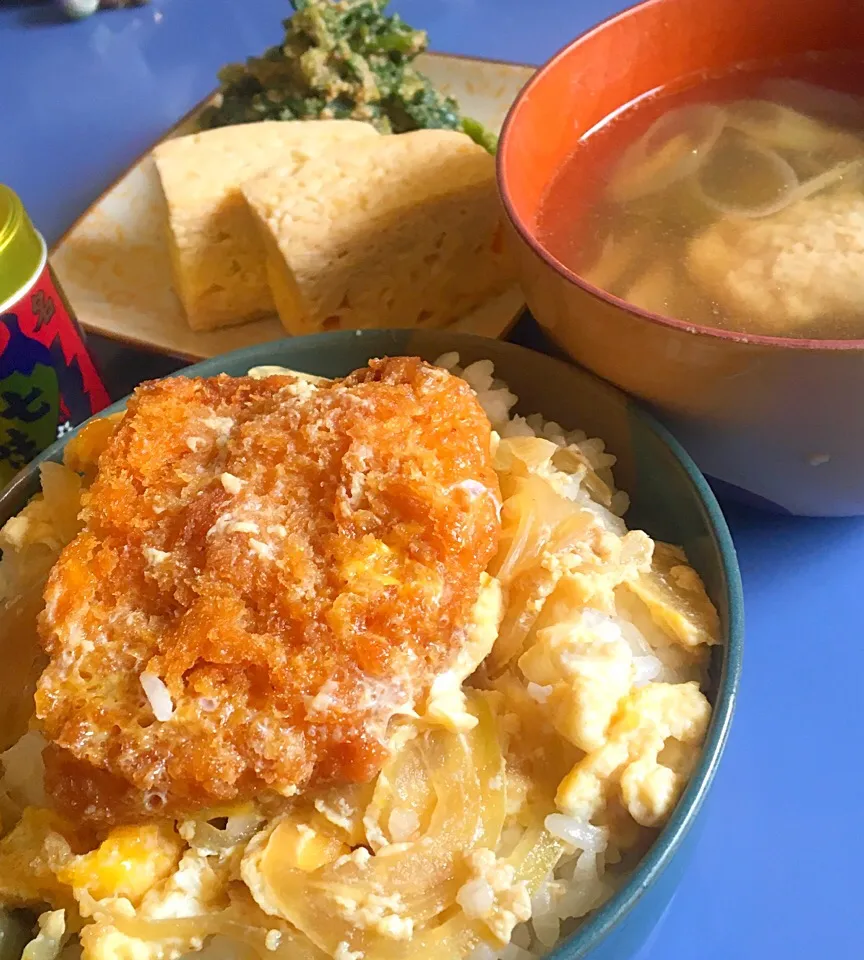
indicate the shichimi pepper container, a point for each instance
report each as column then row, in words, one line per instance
column 48, row 381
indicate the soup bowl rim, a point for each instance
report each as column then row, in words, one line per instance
column 509, row 132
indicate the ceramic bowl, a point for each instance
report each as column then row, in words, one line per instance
column 670, row 500
column 775, row 418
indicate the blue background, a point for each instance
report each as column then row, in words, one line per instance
column 777, row 870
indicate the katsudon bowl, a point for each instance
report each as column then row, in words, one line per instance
column 669, row 499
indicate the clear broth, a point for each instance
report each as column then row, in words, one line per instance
column 747, row 238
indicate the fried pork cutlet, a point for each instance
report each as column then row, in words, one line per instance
column 267, row 572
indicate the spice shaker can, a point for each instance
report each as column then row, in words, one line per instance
column 48, row 381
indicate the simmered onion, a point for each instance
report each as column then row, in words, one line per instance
column 832, row 106
column 533, row 861
column 238, row 828
column 404, row 789
column 777, row 189
column 847, row 174
column 536, row 521
column 780, row 128
column 466, row 773
column 673, row 147
column 721, row 182
column 247, row 928
column 50, row 938
column 676, row 599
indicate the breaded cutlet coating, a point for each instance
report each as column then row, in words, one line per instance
column 268, row 571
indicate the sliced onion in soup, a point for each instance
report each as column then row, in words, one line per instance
column 672, row 148
column 832, row 106
column 744, row 179
column 654, row 289
column 780, row 128
column 616, row 256
column 848, row 175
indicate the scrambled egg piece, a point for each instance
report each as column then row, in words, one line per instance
column 630, row 757
column 126, row 864
column 590, row 572
column 493, row 895
column 50, row 938
column 446, row 704
column 676, row 599
column 379, row 913
column 589, row 667
column 537, row 756
column 196, row 887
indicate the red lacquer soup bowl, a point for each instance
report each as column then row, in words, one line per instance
column 779, row 419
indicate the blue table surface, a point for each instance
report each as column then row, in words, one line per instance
column 777, row 870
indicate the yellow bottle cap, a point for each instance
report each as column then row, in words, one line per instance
column 21, row 247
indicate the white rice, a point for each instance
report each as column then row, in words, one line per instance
column 539, row 692
column 580, row 836
column 158, row 696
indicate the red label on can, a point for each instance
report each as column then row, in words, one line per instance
column 48, row 381
column 43, row 315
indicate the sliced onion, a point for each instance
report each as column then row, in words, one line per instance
column 536, row 854
column 777, row 127
column 734, row 160
column 653, row 290
column 851, row 170
column 244, row 925
column 533, row 860
column 672, row 148
column 465, row 771
column 792, row 191
column 405, row 788
column 238, row 829
column 615, row 258
column 50, row 938
column 832, row 106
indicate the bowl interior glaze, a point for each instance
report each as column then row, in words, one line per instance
column 670, row 499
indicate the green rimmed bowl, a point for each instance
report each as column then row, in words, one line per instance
column 670, row 500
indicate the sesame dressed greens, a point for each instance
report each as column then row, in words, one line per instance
column 341, row 59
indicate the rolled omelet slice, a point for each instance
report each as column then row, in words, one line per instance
column 399, row 231
column 216, row 255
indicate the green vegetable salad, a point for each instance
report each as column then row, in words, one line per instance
column 341, row 59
